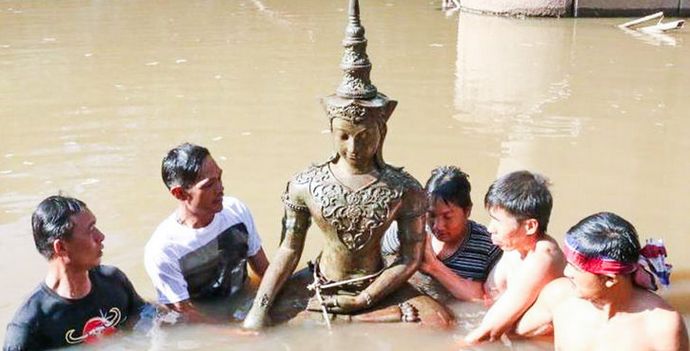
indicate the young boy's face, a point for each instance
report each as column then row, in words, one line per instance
column 506, row 231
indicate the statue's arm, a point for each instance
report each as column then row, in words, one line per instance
column 296, row 221
column 411, row 235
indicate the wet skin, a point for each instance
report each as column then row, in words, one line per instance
column 85, row 246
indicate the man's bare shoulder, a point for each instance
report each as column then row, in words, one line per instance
column 557, row 292
column 548, row 246
column 547, row 252
column 664, row 324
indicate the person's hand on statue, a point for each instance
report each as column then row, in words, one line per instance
column 429, row 259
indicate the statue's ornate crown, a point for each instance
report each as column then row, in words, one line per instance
column 356, row 99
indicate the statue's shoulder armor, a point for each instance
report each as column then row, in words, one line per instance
column 414, row 200
column 310, row 173
column 299, row 185
column 398, row 176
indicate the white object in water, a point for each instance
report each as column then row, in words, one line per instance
column 656, row 28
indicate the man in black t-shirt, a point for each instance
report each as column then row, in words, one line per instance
column 79, row 301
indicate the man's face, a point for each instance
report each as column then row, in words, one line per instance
column 588, row 286
column 206, row 195
column 85, row 247
column 506, row 231
column 446, row 220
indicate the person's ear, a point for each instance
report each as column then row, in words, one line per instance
column 531, row 226
column 59, row 248
column 468, row 211
column 178, row 192
column 610, row 280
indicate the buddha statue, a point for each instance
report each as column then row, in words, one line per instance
column 353, row 198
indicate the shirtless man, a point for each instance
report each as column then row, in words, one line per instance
column 519, row 205
column 604, row 304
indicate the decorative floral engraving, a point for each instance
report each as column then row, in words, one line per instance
column 355, row 55
column 350, row 113
column 353, row 214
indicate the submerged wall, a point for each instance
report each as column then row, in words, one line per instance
column 578, row 8
column 547, row 8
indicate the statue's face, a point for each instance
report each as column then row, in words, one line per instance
column 356, row 143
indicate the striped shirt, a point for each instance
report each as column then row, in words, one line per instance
column 473, row 260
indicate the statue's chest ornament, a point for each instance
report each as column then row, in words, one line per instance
column 353, row 213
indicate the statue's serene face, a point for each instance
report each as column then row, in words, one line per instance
column 356, row 143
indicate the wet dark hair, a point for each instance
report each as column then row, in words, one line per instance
column 52, row 220
column 524, row 195
column 181, row 166
column 451, row 185
column 605, row 234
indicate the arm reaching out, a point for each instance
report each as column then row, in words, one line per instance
column 539, row 318
column 538, row 268
column 459, row 287
column 259, row 263
column 295, row 225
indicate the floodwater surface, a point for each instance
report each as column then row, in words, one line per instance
column 93, row 94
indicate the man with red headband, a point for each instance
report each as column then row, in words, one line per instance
column 605, row 302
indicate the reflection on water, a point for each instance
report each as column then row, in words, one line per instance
column 93, row 94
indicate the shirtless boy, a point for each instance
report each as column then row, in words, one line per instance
column 519, row 205
column 605, row 302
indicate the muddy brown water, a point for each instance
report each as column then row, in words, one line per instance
column 92, row 94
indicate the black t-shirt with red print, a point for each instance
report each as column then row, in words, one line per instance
column 47, row 320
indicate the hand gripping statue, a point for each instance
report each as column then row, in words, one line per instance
column 353, row 198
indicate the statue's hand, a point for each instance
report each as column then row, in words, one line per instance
column 256, row 320
column 347, row 303
column 337, row 303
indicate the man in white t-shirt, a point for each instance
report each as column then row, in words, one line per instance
column 201, row 250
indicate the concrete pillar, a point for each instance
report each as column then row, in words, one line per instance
column 684, row 8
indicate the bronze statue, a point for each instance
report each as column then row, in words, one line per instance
column 353, row 198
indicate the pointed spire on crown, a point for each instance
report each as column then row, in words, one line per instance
column 356, row 99
column 355, row 62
